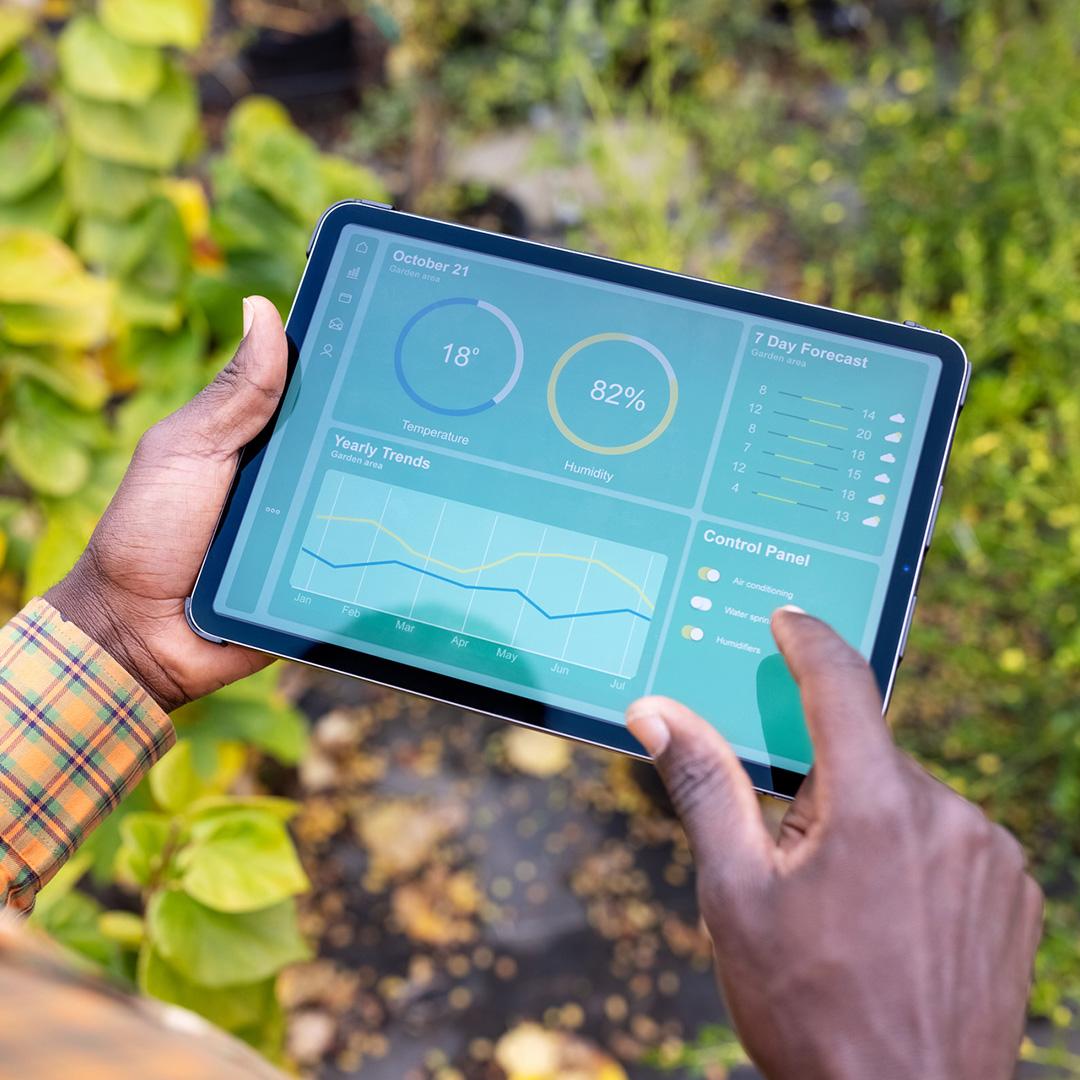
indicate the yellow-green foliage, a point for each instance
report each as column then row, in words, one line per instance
column 121, row 277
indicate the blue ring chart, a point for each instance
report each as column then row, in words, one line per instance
column 469, row 301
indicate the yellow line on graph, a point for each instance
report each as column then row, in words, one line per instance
column 825, row 423
column 491, row 565
column 804, row 483
column 818, row 401
column 810, row 442
column 776, row 498
column 797, row 460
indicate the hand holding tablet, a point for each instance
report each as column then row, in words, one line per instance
column 542, row 484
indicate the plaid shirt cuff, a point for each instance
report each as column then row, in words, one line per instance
column 77, row 733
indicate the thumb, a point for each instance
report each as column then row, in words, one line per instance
column 709, row 788
column 237, row 405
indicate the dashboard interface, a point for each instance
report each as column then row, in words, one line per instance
column 577, row 491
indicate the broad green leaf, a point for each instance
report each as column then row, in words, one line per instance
column 158, row 22
column 174, row 780
column 151, row 247
column 46, row 460
column 79, row 317
column 215, row 806
column 267, row 722
column 137, row 307
column 68, row 526
column 238, row 1007
column 217, row 949
column 69, row 374
column 73, row 922
column 46, row 208
column 14, row 67
column 344, row 179
column 242, row 861
column 62, row 882
column 106, row 188
column 151, row 135
column 30, row 148
column 35, row 267
column 143, row 839
column 96, row 64
column 252, row 118
column 124, row 927
column 247, row 219
column 15, row 24
column 285, row 164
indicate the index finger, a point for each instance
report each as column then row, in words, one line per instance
column 840, row 697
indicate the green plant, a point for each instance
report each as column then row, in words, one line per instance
column 120, row 290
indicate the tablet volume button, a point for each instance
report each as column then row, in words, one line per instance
column 907, row 625
column 933, row 516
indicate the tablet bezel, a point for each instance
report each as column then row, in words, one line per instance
column 914, row 538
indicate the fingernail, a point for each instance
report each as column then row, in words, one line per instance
column 249, row 315
column 650, row 730
column 792, row 607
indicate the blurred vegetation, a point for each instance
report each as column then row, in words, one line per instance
column 913, row 160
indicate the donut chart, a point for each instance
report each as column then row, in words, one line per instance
column 632, row 397
column 450, row 374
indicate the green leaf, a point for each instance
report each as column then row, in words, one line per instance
column 174, row 780
column 158, row 22
column 30, row 148
column 151, row 248
column 151, row 135
column 137, row 307
column 215, row 806
column 44, row 457
column 73, row 921
column 14, row 67
column 96, row 64
column 217, row 949
column 69, row 374
column 260, row 716
column 46, row 297
column 106, row 188
column 35, row 267
column 81, row 319
column 238, row 1007
column 344, row 179
column 242, row 861
column 15, row 24
column 62, row 883
column 143, row 839
column 68, row 526
column 46, row 208
column 276, row 158
column 124, row 927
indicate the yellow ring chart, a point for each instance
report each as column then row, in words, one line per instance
column 625, row 448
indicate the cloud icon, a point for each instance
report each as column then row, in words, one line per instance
column 898, row 418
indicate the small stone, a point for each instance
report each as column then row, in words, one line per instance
column 311, row 1035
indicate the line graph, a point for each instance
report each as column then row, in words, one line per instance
column 489, row 565
column 478, row 588
column 519, row 583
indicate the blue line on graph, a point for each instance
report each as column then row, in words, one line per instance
column 475, row 588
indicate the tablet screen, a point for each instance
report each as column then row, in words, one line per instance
column 576, row 491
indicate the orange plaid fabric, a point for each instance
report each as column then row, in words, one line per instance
column 77, row 733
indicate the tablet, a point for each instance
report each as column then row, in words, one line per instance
column 539, row 484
